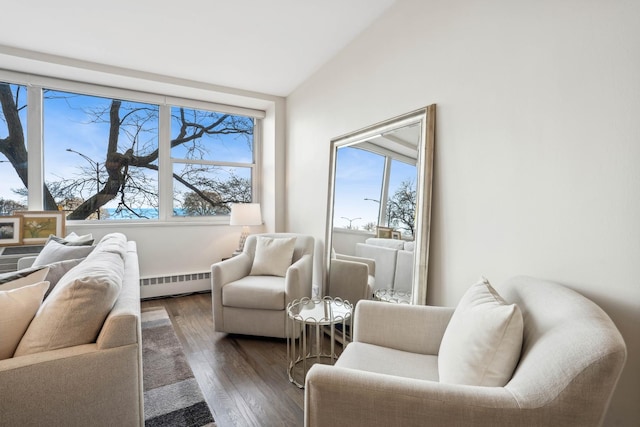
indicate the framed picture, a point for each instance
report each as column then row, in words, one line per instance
column 384, row 232
column 10, row 230
column 38, row 225
column 396, row 235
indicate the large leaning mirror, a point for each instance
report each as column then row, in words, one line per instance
column 380, row 206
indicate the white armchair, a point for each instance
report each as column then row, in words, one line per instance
column 571, row 359
column 256, row 304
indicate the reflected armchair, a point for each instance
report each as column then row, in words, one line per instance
column 250, row 297
column 351, row 278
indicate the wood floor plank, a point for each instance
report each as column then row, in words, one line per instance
column 244, row 379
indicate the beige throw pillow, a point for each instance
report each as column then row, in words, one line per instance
column 273, row 256
column 25, row 277
column 482, row 343
column 74, row 312
column 17, row 308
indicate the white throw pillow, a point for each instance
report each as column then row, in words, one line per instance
column 273, row 256
column 54, row 252
column 482, row 343
column 72, row 239
column 24, row 277
column 17, row 308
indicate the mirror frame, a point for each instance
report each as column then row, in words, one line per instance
column 426, row 117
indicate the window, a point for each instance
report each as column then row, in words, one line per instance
column 100, row 156
column 13, row 148
column 212, row 157
column 117, row 154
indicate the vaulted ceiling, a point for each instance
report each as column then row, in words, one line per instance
column 256, row 45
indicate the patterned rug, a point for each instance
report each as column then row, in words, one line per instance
column 172, row 396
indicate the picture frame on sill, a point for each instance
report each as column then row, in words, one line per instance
column 10, row 230
column 384, row 232
column 38, row 225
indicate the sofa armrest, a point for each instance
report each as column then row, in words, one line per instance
column 26, row 262
column 413, row 328
column 122, row 325
column 337, row 396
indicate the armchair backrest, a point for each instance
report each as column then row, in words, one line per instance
column 572, row 353
column 304, row 244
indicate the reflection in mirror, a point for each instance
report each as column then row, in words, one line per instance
column 379, row 209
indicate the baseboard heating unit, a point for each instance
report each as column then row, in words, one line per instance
column 174, row 284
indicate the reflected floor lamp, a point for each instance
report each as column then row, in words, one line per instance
column 245, row 214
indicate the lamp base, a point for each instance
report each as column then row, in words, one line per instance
column 243, row 239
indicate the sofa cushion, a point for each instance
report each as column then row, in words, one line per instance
column 115, row 243
column 255, row 292
column 273, row 256
column 54, row 252
column 17, row 308
column 481, row 345
column 389, row 361
column 24, row 277
column 75, row 310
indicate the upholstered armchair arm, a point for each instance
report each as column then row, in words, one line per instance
column 230, row 270
column 413, row 328
column 224, row 272
column 337, row 396
column 298, row 279
column 371, row 263
column 348, row 280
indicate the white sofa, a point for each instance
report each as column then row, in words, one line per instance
column 394, row 262
column 571, row 358
column 97, row 384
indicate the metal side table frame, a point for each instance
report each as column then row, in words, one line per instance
column 307, row 314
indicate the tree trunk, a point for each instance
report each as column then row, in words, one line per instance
column 14, row 147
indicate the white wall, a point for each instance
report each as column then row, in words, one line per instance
column 537, row 144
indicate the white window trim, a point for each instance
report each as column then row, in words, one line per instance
column 35, row 143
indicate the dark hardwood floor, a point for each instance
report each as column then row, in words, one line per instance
column 244, row 379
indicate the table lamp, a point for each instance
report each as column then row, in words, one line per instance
column 245, row 214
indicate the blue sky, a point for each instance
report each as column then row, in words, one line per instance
column 359, row 176
column 68, row 124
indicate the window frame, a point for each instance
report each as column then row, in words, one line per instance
column 35, row 141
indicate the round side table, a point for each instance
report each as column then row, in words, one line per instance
column 308, row 321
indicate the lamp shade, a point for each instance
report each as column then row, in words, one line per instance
column 245, row 214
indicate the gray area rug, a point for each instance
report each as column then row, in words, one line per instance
column 172, row 396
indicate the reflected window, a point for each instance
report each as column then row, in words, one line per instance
column 401, row 199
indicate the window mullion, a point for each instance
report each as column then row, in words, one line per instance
column 165, row 165
column 34, row 148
